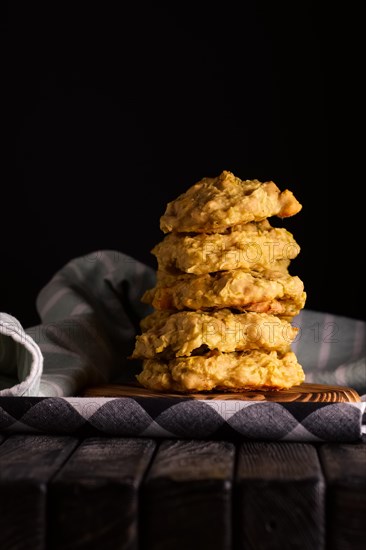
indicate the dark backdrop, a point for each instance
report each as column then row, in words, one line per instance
column 110, row 112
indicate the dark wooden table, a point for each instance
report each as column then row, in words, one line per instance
column 112, row 493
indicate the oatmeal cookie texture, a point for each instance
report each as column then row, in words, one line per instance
column 224, row 299
column 254, row 246
column 214, row 204
column 277, row 292
column 184, row 333
column 226, row 371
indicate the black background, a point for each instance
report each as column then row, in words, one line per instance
column 109, row 112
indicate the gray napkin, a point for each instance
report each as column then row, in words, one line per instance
column 21, row 361
column 90, row 311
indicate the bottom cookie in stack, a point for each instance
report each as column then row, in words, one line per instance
column 200, row 351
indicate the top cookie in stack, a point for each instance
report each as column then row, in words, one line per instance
column 224, row 298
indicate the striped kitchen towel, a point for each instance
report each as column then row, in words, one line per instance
column 90, row 313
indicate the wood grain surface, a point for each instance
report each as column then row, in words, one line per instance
column 345, row 473
column 304, row 392
column 187, row 497
column 93, row 501
column 168, row 494
column 27, row 463
column 280, row 497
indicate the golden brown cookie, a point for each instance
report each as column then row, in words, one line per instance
column 253, row 246
column 235, row 371
column 213, row 204
column 274, row 292
column 189, row 332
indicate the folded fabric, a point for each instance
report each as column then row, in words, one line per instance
column 21, row 360
column 90, row 312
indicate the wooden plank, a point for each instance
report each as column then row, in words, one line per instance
column 280, row 497
column 27, row 463
column 305, row 392
column 345, row 472
column 94, row 498
column 186, row 498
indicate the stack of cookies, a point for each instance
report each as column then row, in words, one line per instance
column 224, row 299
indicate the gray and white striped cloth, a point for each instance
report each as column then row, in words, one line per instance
column 90, row 311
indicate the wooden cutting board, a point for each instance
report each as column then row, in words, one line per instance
column 304, row 392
